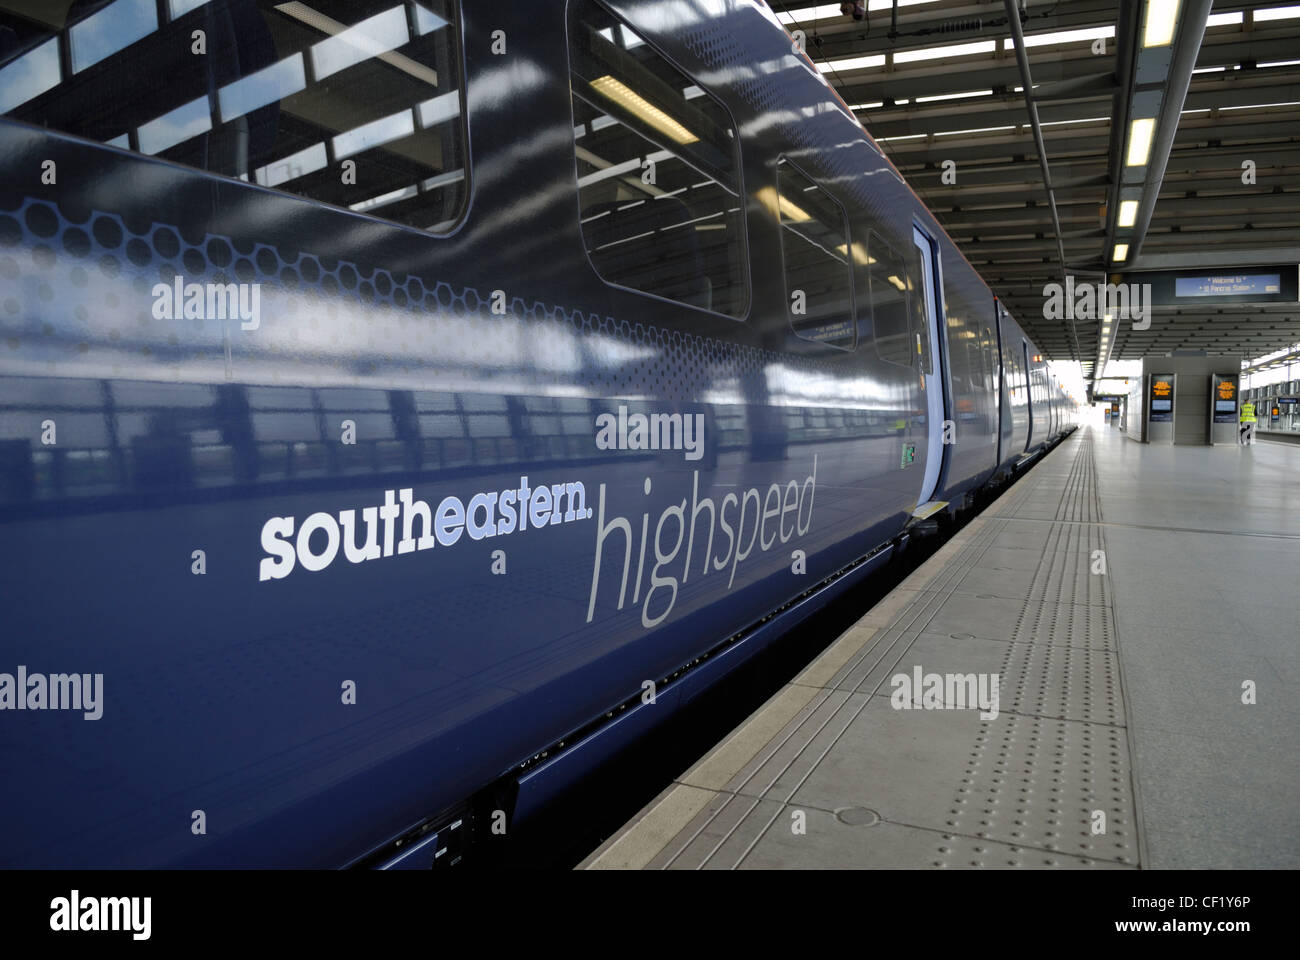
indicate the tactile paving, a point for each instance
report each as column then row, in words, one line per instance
column 1045, row 783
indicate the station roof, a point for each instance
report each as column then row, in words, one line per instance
column 938, row 80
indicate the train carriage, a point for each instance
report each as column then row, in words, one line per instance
column 390, row 391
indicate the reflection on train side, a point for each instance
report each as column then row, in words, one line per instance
column 64, row 439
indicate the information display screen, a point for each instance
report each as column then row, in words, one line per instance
column 1229, row 285
column 1256, row 283
column 1162, row 398
column 1224, row 391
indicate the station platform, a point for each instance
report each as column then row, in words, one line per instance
column 1120, row 691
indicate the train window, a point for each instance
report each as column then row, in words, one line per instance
column 658, row 177
column 815, row 251
column 355, row 103
column 916, row 273
column 987, row 349
column 892, row 293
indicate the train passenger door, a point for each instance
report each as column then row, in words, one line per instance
column 930, row 371
column 1003, row 415
column 1029, row 392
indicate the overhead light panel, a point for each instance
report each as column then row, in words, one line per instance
column 1161, row 19
column 854, row 63
column 859, row 253
column 643, row 109
column 792, row 211
column 945, row 52
column 1121, row 252
column 1128, row 211
column 1139, row 141
column 780, row 206
column 1276, row 13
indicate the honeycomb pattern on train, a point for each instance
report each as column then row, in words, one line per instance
column 715, row 44
column 92, row 257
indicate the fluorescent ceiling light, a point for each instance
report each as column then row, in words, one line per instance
column 1128, row 211
column 854, row 63
column 781, row 206
column 953, row 133
column 1062, row 36
column 1057, row 123
column 955, row 96
column 955, row 50
column 1260, row 106
column 1219, row 19
column 1276, row 13
column 832, row 10
column 1139, row 141
column 1121, row 252
column 1161, row 18
column 809, row 13
column 646, row 111
column 859, row 253
column 792, row 211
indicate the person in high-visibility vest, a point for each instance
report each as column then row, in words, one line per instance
column 1247, row 435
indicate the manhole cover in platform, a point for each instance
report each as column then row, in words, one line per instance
column 857, row 816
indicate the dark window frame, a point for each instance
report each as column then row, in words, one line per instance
column 742, row 224
column 854, row 320
column 456, row 223
column 907, row 304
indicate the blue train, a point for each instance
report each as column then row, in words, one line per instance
column 406, row 405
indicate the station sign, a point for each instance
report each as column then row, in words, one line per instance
column 1162, row 398
column 1228, row 285
column 1278, row 283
